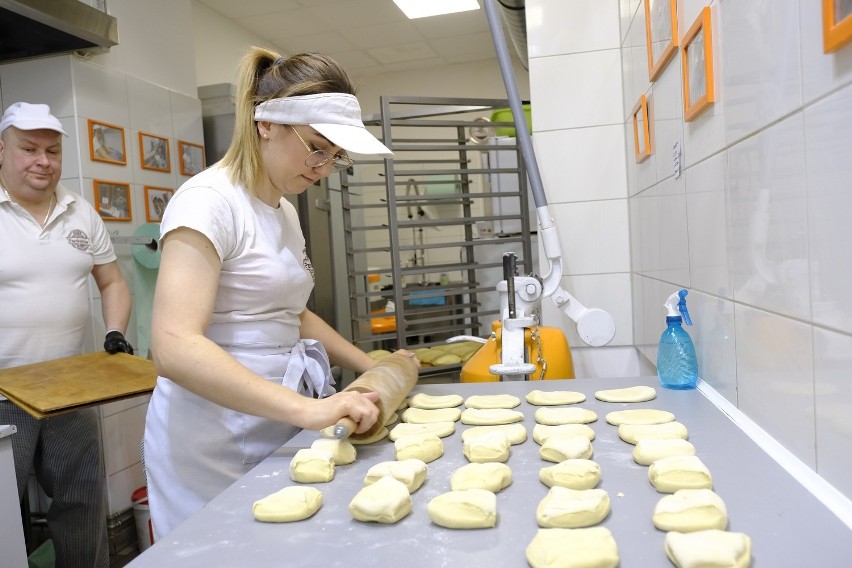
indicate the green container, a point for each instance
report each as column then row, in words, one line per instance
column 43, row 556
column 505, row 115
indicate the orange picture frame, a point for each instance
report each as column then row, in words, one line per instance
column 156, row 199
column 660, row 33
column 191, row 158
column 154, row 153
column 697, row 66
column 112, row 200
column 836, row 24
column 641, row 130
column 106, row 143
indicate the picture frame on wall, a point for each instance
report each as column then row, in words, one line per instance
column 641, row 130
column 154, row 152
column 156, row 199
column 106, row 143
column 112, row 200
column 660, row 34
column 697, row 66
column 836, row 24
column 191, row 158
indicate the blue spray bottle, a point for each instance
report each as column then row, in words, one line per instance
column 677, row 366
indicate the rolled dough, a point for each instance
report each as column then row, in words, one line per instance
column 553, row 398
column 573, row 548
column 440, row 429
column 342, row 451
column 639, row 416
column 385, row 501
column 380, row 435
column 392, row 419
column 490, row 416
column 410, row 472
column 632, row 433
column 710, row 548
column 311, row 465
column 577, row 473
column 422, row 416
column 431, row 402
column 467, row 509
column 517, row 432
column 490, row 447
column 293, row 503
column 667, row 475
column 561, row 447
column 649, row 450
column 639, row 393
column 483, row 401
column 541, row 432
column 550, row 416
column 572, row 508
column 424, row 447
column 492, row 476
column 690, row 510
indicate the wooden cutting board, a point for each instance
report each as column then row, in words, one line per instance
column 62, row 385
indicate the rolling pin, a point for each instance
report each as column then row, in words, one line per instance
column 393, row 378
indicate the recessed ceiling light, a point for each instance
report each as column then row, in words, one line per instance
column 423, row 8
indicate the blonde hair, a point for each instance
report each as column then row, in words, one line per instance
column 264, row 75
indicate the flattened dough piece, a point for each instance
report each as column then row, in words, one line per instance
column 483, row 401
column 566, row 508
column 649, row 450
column 342, row 451
column 713, row 548
column 550, row 416
column 632, row 433
column 311, row 465
column 563, row 447
column 467, row 509
column 490, row 416
column 392, row 419
column 293, row 503
column 517, row 432
column 541, row 432
column 667, row 475
column 690, row 510
column 492, row 476
column 385, row 501
column 639, row 393
column 490, row 447
column 380, row 434
column 432, row 402
column 410, row 472
column 440, row 429
column 424, row 447
column 589, row 548
column 423, row 416
column 639, row 416
column 575, row 473
column 553, row 398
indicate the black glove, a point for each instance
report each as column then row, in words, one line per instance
column 115, row 342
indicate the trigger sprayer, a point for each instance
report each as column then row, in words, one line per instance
column 677, row 365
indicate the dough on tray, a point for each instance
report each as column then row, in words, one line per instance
column 489, row 447
column 492, row 476
column 541, row 432
column 490, row 416
column 577, row 473
column 517, row 432
column 708, row 548
column 572, row 508
column 440, row 429
column 553, row 398
column 466, row 509
column 311, row 465
column 632, row 433
column 385, row 501
column 667, row 475
column 690, row 510
column 410, row 472
column 550, row 416
column 431, row 402
column 424, row 447
column 293, row 503
column 423, row 416
column 563, row 447
column 639, row 393
column 639, row 416
column 592, row 547
column 483, row 401
column 342, row 451
column 649, row 450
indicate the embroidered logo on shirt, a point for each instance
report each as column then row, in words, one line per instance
column 78, row 239
column 306, row 263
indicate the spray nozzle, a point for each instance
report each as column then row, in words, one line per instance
column 676, row 306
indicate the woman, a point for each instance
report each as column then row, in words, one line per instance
column 229, row 323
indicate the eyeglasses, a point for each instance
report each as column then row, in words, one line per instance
column 319, row 158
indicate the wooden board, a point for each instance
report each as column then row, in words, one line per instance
column 62, row 385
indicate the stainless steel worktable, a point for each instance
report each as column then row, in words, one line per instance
column 787, row 524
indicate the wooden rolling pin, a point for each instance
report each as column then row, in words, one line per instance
column 393, row 378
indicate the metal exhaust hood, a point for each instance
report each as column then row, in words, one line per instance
column 36, row 28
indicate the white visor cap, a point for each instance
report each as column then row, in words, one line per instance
column 337, row 116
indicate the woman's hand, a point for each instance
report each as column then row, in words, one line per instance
column 360, row 407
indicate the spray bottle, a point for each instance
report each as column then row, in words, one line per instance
column 677, row 365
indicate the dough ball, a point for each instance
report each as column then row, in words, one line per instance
column 490, row 447
column 629, row 394
column 649, row 450
column 440, row 429
column 424, row 447
column 431, row 402
column 639, row 416
column 483, row 401
column 550, row 416
column 342, row 451
column 467, row 509
column 690, row 510
column 541, row 432
column 294, row 503
column 572, row 508
column 708, row 548
column 577, row 473
column 385, row 501
column 492, row 476
column 632, row 433
column 517, row 432
column 565, row 447
column 311, row 465
column 490, row 416
column 667, row 475
column 422, row 416
column 573, row 548
column 553, row 398
column 410, row 472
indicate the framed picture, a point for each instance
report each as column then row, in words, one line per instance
column 112, row 200
column 156, row 199
column 154, row 152
column 661, row 34
column 106, row 143
column 191, row 158
column 641, row 130
column 697, row 64
column 836, row 24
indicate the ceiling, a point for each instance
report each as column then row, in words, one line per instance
column 365, row 36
